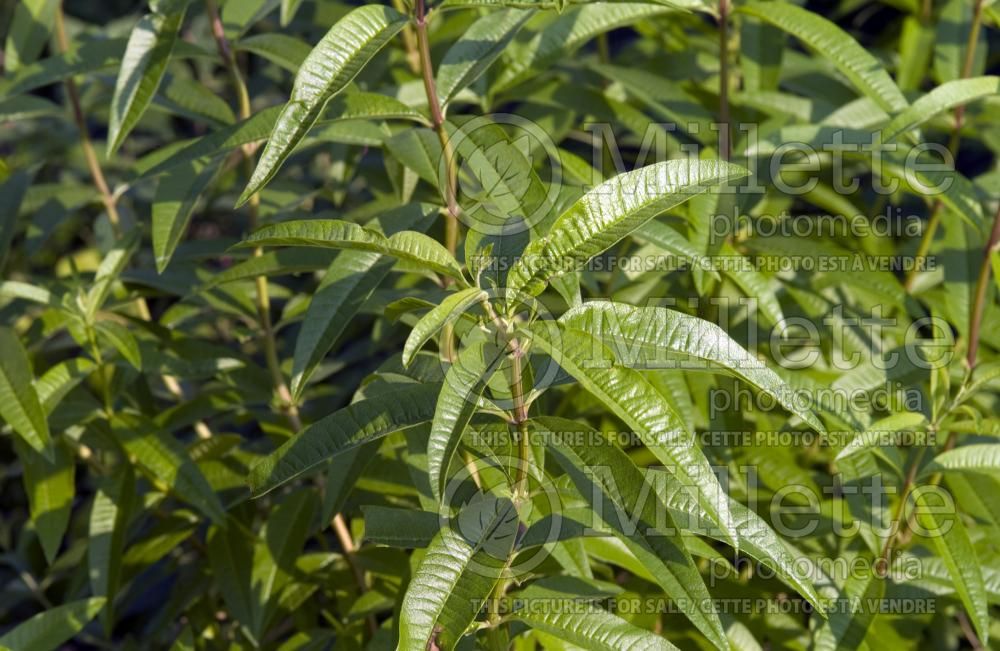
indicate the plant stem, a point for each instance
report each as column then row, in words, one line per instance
column 725, row 146
column 107, row 197
column 520, row 420
column 904, row 493
column 982, row 285
column 954, row 142
column 93, row 165
column 970, row 59
column 263, row 300
column 437, row 120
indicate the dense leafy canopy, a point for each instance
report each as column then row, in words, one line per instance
column 499, row 324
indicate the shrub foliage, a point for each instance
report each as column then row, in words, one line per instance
column 503, row 324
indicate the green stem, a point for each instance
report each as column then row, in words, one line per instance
column 954, row 142
column 982, row 285
column 725, row 145
column 437, row 120
column 93, row 165
column 904, row 493
column 263, row 300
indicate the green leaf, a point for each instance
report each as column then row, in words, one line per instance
column 760, row 58
column 281, row 49
column 953, row 27
column 757, row 539
column 350, row 280
column 477, row 49
column 28, row 31
column 654, row 337
column 230, row 556
column 978, row 457
column 610, row 212
column 355, row 105
column 111, row 267
column 50, row 487
column 60, row 379
column 448, row 311
column 109, row 517
column 12, row 193
column 942, row 98
column 619, row 493
column 457, row 574
column 874, row 436
column 274, row 263
column 19, row 403
column 176, row 195
column 669, row 240
column 633, row 399
column 464, row 383
column 48, row 630
column 89, row 56
column 331, row 65
column 27, row 107
column 854, row 61
column 288, row 9
column 122, row 340
column 344, row 430
column 143, row 66
column 940, row 522
column 167, row 464
column 589, row 627
column 281, row 542
column 218, row 142
column 571, row 30
column 409, row 246
column 395, row 527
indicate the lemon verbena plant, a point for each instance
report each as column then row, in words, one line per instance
column 499, row 324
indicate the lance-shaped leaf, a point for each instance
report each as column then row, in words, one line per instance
column 589, row 627
column 49, row 484
column 395, row 527
column 28, row 31
column 176, row 196
column 610, row 212
column 875, row 435
column 847, row 626
column 620, row 495
column 87, row 57
column 349, row 281
column 978, row 458
column 655, row 337
column 457, row 574
column 477, row 49
column 571, row 30
column 939, row 520
column 943, row 98
column 757, row 539
column 59, row 380
column 12, row 193
column 409, row 246
column 165, row 461
column 344, row 430
column 456, row 404
column 331, row 65
column 854, row 61
column 19, row 403
column 143, row 66
column 109, row 517
column 218, row 142
column 449, row 310
column 632, row 398
column 52, row 628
